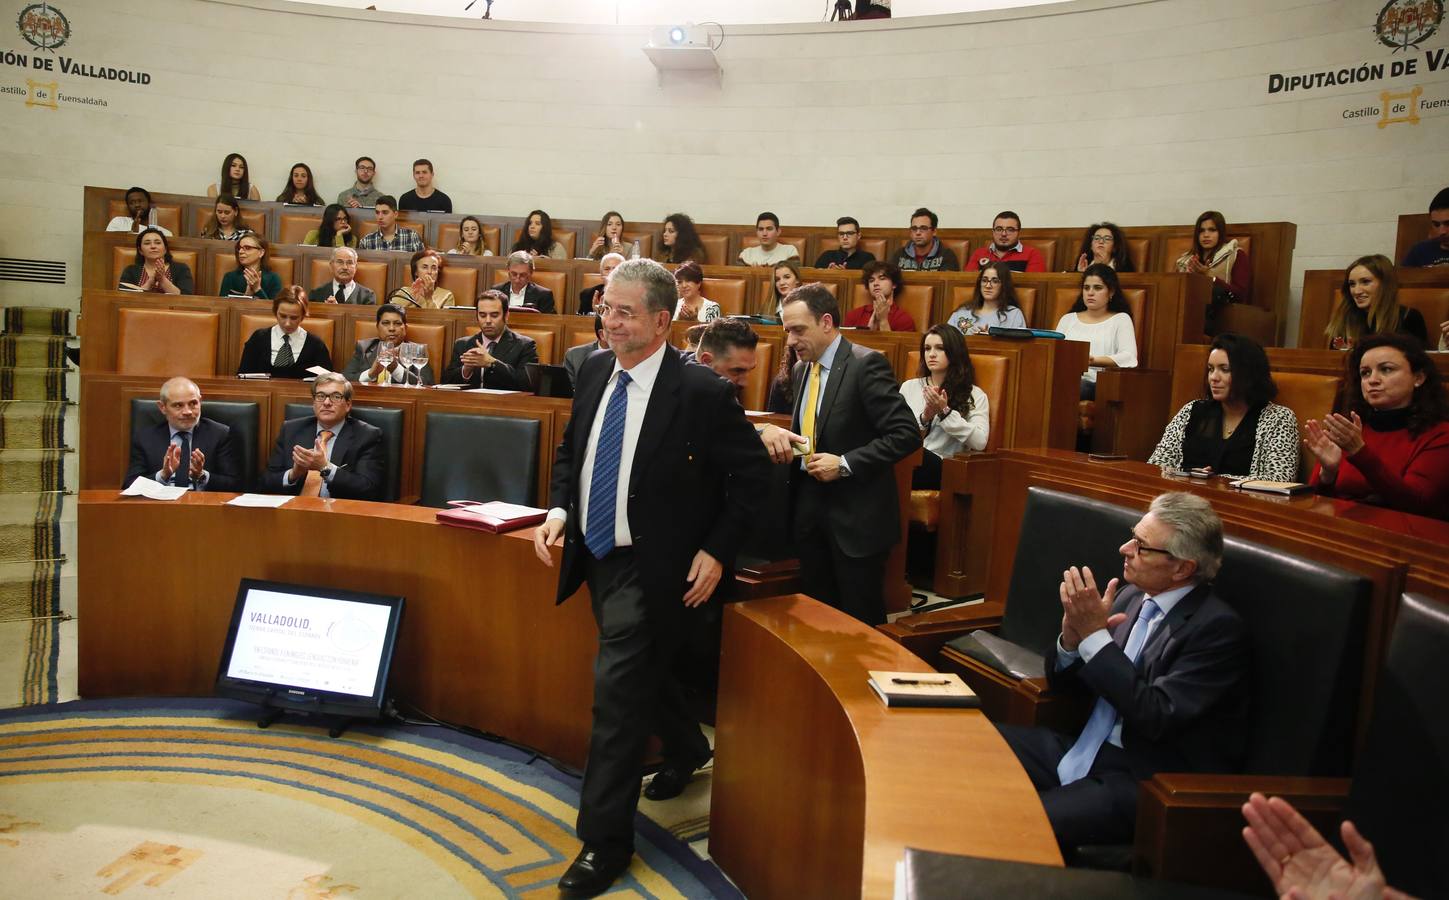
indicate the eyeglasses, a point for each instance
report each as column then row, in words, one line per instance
column 367, row 168
column 1136, row 544
column 846, row 233
column 1101, row 239
column 1004, row 229
column 605, row 311
column 990, row 280
column 328, row 397
column 249, row 247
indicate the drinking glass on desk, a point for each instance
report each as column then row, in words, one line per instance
column 407, row 355
column 420, row 359
column 386, row 357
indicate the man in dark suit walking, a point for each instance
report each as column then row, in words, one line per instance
column 654, row 485
column 346, row 452
column 519, row 289
column 845, row 514
column 1166, row 661
column 496, row 357
column 187, row 450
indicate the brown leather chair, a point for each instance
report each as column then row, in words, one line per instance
column 1310, row 397
column 590, row 279
column 324, row 328
column 370, row 274
column 168, row 215
column 717, row 249
column 569, row 237
column 1048, row 248
column 224, row 261
column 798, row 242
column 166, row 342
column 292, row 228
column 462, row 281
column 731, row 294
column 1139, row 250
column 252, row 219
column 448, row 236
column 757, row 388
column 916, row 299
column 434, row 336
column 555, row 281
column 544, row 338
column 1432, row 303
column 961, row 247
column 122, row 256
column 991, row 372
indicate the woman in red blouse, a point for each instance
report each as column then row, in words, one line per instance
column 1392, row 449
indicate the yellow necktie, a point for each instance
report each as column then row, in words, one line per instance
column 807, row 414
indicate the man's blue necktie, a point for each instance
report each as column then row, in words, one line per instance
column 182, row 477
column 604, row 483
column 1078, row 761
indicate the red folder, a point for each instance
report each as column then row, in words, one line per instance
column 494, row 516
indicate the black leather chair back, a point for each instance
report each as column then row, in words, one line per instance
column 769, row 538
column 1059, row 530
column 244, row 420
column 390, row 422
column 1306, row 621
column 471, row 457
column 1401, row 781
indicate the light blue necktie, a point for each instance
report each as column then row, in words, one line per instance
column 1078, row 761
column 604, row 483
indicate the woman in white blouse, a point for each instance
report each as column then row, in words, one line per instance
column 1101, row 318
column 693, row 305
column 953, row 414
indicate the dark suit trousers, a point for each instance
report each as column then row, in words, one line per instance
column 1098, row 809
column 634, row 695
column 851, row 584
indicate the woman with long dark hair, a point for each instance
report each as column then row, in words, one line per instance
column 1392, row 447
column 226, row 222
column 951, row 411
column 1104, row 243
column 610, row 237
column 679, row 242
column 536, row 239
column 1102, row 318
column 336, row 229
column 236, row 179
column 1235, row 428
column 993, row 302
column 786, row 277
column 300, row 189
column 154, row 270
column 1369, row 304
column 470, row 238
column 1222, row 260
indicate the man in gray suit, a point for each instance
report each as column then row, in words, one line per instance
column 576, row 355
column 343, row 288
column 392, row 332
column 845, row 515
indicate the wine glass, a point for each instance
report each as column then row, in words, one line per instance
column 420, row 359
column 407, row 355
column 386, row 356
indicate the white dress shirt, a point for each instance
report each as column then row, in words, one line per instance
column 347, row 291
column 643, row 376
column 296, row 340
column 518, row 298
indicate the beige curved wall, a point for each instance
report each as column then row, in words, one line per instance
column 1144, row 113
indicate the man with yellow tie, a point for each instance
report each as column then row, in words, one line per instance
column 845, row 515
column 345, row 451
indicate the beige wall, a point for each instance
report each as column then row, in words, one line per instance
column 1145, row 113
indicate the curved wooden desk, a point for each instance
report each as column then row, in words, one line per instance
column 819, row 788
column 481, row 644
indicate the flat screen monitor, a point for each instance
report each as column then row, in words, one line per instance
column 309, row 649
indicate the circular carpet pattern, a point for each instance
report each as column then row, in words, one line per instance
column 191, row 799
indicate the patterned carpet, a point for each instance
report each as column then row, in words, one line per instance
column 191, row 799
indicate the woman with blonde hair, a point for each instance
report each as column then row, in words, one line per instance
column 1369, row 304
column 470, row 238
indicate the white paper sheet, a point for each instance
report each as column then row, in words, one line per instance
column 266, row 501
column 154, row 490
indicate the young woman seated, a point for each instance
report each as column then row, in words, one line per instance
column 993, row 302
column 1101, row 318
column 693, row 305
column 537, row 238
column 954, row 415
column 285, row 350
column 336, row 229
column 226, row 221
column 300, row 190
column 1369, row 304
column 236, row 179
column 253, row 275
column 154, row 270
column 1104, row 243
column 470, row 238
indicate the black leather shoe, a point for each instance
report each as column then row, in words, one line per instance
column 592, row 872
column 671, row 781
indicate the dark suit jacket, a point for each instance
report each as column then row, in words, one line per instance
column 223, row 458
column 864, row 418
column 365, row 354
column 575, row 357
column 698, row 473
column 361, row 295
column 357, row 452
column 587, row 296
column 513, row 353
column 1184, row 708
column 257, row 356
column 536, row 296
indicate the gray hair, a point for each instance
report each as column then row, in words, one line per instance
column 178, row 381
column 660, row 291
column 608, row 256
column 520, row 256
column 336, row 251
column 334, row 378
column 1197, row 532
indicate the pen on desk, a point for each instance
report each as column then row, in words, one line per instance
column 942, row 681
